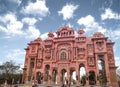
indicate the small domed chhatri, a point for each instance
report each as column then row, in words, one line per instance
column 98, row 34
column 38, row 39
column 50, row 34
column 81, row 31
column 55, row 59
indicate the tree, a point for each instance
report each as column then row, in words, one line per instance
column 118, row 76
column 83, row 80
column 8, row 70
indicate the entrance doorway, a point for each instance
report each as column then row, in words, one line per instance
column 91, row 77
column 47, row 70
column 54, row 76
column 102, row 72
column 39, row 77
column 63, row 76
column 72, row 78
column 82, row 73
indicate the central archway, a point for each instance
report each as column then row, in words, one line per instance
column 72, row 78
column 102, row 72
column 82, row 74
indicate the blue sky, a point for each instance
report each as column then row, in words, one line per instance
column 21, row 21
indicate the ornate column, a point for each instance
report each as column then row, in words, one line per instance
column 107, row 69
column 97, row 70
column 87, row 77
column 77, row 80
column 68, row 75
column 50, row 76
column 59, row 77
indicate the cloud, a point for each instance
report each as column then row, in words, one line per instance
column 87, row 21
column 70, row 25
column 11, row 25
column 32, row 32
column 8, row 18
column 109, row 14
column 16, row 1
column 37, row 8
column 68, row 11
column 44, row 36
column 16, row 55
column 90, row 24
column 3, row 29
column 29, row 21
column 117, row 61
column 113, row 34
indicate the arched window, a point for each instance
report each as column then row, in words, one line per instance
column 63, row 56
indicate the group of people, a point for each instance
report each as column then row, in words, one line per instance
column 66, row 84
column 34, row 83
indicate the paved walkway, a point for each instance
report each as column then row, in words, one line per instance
column 26, row 85
column 44, row 85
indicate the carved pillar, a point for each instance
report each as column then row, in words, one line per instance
column 74, row 53
column 59, row 77
column 52, row 53
column 79, row 80
column 28, row 71
column 77, row 71
column 68, row 75
column 107, row 69
column 97, row 70
column 50, row 77
column 68, row 55
column 87, row 78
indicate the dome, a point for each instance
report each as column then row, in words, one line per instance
column 38, row 39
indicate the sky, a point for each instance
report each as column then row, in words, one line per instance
column 22, row 21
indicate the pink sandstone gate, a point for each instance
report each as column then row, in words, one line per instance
column 54, row 60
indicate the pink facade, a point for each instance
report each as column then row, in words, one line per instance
column 47, row 61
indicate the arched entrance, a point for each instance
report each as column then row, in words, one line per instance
column 82, row 73
column 91, row 77
column 54, row 76
column 63, row 76
column 46, row 74
column 39, row 77
column 31, row 77
column 102, row 72
column 72, row 77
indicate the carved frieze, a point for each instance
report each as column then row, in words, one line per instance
column 100, row 45
column 40, row 52
column 91, row 61
column 39, row 63
column 48, row 53
column 81, row 51
column 110, row 58
column 81, row 39
column 48, row 43
column 33, row 49
column 90, row 47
